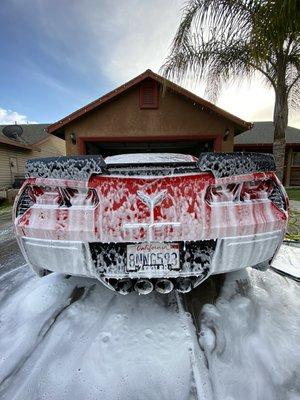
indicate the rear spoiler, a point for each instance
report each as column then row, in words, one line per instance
column 73, row 167
column 227, row 164
column 82, row 167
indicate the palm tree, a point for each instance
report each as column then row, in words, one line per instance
column 226, row 40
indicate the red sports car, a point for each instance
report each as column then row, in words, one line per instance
column 150, row 221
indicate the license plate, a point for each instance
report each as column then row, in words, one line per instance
column 153, row 256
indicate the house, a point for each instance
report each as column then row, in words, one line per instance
column 148, row 114
column 260, row 139
column 18, row 143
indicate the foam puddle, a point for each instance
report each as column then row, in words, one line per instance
column 287, row 260
column 250, row 337
column 74, row 339
column 100, row 345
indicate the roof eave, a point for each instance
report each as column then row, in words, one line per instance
column 19, row 145
column 238, row 122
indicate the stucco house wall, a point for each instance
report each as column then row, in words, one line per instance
column 123, row 119
column 178, row 116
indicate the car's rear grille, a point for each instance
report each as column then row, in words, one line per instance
column 110, row 259
column 24, row 202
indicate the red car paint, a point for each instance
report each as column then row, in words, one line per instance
column 234, row 216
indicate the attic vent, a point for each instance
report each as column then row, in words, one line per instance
column 149, row 94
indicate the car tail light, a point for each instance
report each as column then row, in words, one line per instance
column 24, row 202
column 58, row 196
column 254, row 191
column 68, row 197
column 65, row 196
column 223, row 193
column 277, row 198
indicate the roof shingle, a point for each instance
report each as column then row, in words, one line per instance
column 263, row 133
column 32, row 134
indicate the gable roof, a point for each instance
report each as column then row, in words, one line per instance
column 31, row 136
column 239, row 123
column 263, row 133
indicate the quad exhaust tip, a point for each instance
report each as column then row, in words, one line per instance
column 184, row 285
column 122, row 286
column 164, row 286
column 143, row 286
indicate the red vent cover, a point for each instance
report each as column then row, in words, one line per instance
column 149, row 94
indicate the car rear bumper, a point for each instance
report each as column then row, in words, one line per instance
column 201, row 258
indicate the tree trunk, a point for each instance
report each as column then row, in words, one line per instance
column 280, row 120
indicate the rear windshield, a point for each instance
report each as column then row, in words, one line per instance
column 150, row 158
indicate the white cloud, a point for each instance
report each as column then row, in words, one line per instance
column 144, row 33
column 123, row 38
column 253, row 102
column 294, row 119
column 8, row 117
column 138, row 35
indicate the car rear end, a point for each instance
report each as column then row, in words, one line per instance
column 150, row 222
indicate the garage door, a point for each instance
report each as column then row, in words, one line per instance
column 182, row 146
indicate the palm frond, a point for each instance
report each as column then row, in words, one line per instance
column 225, row 40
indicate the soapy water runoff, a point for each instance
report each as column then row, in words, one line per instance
column 67, row 337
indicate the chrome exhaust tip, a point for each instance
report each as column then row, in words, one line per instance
column 164, row 286
column 122, row 286
column 113, row 282
column 143, row 286
column 184, row 285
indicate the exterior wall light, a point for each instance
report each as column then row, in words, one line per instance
column 73, row 138
column 226, row 134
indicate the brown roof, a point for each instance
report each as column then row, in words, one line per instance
column 263, row 133
column 15, row 143
column 239, row 123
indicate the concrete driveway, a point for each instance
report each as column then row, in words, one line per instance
column 234, row 337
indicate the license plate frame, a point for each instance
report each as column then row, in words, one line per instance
column 146, row 257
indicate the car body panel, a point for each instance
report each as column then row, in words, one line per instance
column 130, row 210
column 83, row 226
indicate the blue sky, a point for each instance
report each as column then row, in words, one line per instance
column 57, row 55
column 52, row 63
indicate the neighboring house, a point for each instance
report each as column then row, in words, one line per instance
column 15, row 151
column 260, row 139
column 148, row 114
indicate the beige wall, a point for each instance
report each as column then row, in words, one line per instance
column 52, row 146
column 175, row 117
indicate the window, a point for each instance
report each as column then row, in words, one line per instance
column 296, row 158
column 149, row 94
